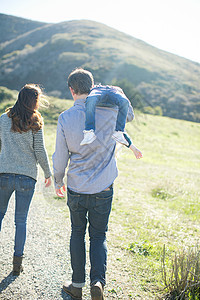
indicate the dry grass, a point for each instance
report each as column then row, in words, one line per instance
column 182, row 278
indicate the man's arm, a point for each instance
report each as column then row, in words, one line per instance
column 60, row 158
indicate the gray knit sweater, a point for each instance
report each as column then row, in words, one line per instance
column 21, row 152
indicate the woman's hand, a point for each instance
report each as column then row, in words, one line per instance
column 47, row 182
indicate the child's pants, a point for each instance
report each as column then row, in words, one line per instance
column 106, row 96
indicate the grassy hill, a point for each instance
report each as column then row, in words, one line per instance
column 12, row 27
column 46, row 54
column 156, row 200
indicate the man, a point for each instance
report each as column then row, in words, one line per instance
column 91, row 172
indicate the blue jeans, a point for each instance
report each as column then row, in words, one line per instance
column 95, row 210
column 106, row 96
column 24, row 187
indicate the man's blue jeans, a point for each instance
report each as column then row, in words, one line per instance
column 106, row 96
column 24, row 187
column 94, row 209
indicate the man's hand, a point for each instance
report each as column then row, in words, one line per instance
column 59, row 192
column 47, row 182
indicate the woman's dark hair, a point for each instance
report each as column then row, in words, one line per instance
column 24, row 113
column 81, row 81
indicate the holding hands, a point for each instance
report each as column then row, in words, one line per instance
column 59, row 192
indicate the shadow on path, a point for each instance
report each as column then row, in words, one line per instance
column 65, row 296
column 6, row 281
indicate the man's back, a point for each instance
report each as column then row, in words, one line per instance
column 92, row 167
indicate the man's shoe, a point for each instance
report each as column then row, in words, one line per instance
column 119, row 137
column 89, row 137
column 74, row 292
column 96, row 291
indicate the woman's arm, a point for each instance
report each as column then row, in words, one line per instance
column 40, row 152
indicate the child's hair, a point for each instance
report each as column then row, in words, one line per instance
column 81, row 81
column 24, row 113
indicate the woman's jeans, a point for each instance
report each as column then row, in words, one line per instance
column 106, row 96
column 94, row 209
column 24, row 187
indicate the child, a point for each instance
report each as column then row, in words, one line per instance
column 108, row 96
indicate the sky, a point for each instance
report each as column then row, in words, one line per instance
column 170, row 25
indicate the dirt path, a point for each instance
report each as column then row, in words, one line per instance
column 47, row 260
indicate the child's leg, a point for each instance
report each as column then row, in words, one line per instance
column 123, row 105
column 96, row 97
column 90, row 107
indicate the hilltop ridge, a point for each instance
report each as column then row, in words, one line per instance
column 46, row 53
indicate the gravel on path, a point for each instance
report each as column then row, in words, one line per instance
column 46, row 256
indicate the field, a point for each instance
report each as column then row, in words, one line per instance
column 156, row 200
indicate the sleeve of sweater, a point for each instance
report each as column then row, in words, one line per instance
column 40, row 152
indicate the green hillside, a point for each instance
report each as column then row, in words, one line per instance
column 156, row 199
column 47, row 54
column 12, row 27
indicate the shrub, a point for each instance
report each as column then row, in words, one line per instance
column 6, row 94
column 160, row 193
column 131, row 92
column 153, row 110
column 182, row 281
column 141, row 248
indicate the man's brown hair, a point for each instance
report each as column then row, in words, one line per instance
column 81, row 81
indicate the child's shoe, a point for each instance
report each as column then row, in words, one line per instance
column 119, row 137
column 89, row 137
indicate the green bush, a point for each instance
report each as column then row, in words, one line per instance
column 131, row 92
column 6, row 94
column 141, row 248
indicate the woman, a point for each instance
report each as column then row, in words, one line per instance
column 22, row 147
